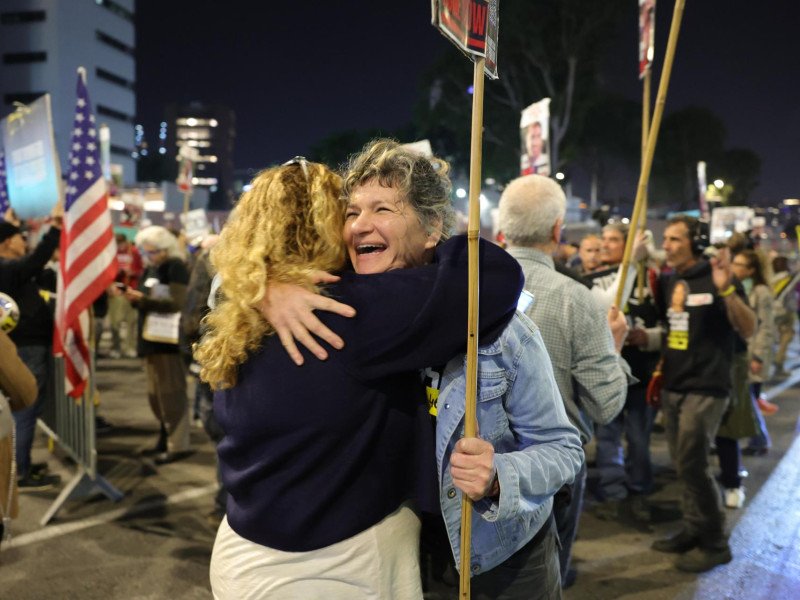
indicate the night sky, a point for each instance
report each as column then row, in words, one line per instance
column 296, row 71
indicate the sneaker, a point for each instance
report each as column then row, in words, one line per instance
column 37, row 481
column 640, row 509
column 780, row 373
column 700, row 560
column 101, row 425
column 131, row 354
column 609, row 510
column 38, row 468
column 765, row 406
column 683, row 541
column 734, row 497
column 115, row 354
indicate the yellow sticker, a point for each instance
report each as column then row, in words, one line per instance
column 678, row 340
column 433, row 400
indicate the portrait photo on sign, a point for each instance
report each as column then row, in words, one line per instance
column 534, row 128
column 647, row 17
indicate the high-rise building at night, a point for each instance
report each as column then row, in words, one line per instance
column 42, row 44
column 210, row 129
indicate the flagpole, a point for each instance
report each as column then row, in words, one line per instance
column 652, row 136
column 473, row 235
column 641, row 267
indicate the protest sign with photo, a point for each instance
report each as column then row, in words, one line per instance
column 187, row 156
column 647, row 22
column 534, row 128
column 472, row 25
column 195, row 222
column 729, row 219
column 422, row 147
column 33, row 173
column 702, row 185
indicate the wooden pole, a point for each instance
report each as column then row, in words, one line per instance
column 642, row 267
column 652, row 136
column 473, row 235
column 186, row 195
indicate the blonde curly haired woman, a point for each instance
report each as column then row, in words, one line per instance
column 321, row 463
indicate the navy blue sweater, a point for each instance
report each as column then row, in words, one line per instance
column 316, row 454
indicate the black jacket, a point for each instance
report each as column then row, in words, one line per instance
column 18, row 280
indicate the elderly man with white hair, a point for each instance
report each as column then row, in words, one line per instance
column 583, row 341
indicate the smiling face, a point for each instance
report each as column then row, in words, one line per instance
column 382, row 232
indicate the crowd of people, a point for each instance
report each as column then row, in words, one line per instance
column 325, row 325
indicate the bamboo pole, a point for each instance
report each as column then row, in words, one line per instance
column 473, row 235
column 652, row 136
column 641, row 267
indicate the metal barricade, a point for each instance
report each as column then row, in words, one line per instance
column 71, row 424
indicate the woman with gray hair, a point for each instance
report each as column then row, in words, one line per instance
column 397, row 211
column 159, row 299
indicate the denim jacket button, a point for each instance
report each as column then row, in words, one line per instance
column 446, row 406
column 451, row 493
column 476, row 568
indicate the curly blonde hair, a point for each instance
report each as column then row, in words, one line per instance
column 286, row 226
column 422, row 181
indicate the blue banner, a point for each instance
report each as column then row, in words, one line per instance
column 32, row 170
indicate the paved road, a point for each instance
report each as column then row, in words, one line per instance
column 156, row 542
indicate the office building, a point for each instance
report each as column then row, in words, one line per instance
column 42, row 44
column 211, row 130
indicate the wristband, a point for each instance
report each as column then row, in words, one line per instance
column 727, row 292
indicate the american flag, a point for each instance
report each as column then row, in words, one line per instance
column 3, row 185
column 88, row 263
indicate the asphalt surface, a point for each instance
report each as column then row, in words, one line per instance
column 156, row 542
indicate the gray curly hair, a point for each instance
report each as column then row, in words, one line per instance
column 423, row 182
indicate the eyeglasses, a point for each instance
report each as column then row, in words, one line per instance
column 298, row 160
column 152, row 252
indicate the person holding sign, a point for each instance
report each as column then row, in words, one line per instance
column 160, row 295
column 321, row 462
column 527, row 449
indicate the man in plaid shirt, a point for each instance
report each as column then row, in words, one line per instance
column 583, row 341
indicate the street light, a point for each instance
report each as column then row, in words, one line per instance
column 560, row 176
column 719, row 184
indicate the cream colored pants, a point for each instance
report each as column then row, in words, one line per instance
column 380, row 563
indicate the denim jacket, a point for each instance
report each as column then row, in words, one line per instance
column 537, row 450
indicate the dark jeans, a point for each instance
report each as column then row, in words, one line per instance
column 691, row 422
column 762, row 439
column 204, row 405
column 729, row 461
column 618, row 474
column 39, row 359
column 566, row 516
column 531, row 573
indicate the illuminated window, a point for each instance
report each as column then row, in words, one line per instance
column 190, row 133
column 195, row 122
